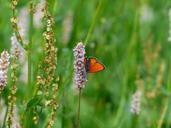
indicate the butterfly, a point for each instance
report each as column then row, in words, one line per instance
column 92, row 65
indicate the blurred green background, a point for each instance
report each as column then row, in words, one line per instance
column 130, row 37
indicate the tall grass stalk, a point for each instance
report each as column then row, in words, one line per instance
column 30, row 47
column 163, row 114
column 27, row 120
column 93, row 22
column 122, row 102
column 166, row 105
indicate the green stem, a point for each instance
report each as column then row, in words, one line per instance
column 119, row 113
column 135, row 121
column 78, row 112
column 134, row 36
column 29, row 52
column 63, row 109
column 163, row 113
column 93, row 22
column 30, row 45
column 4, row 122
column 169, row 76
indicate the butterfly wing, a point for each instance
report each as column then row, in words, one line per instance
column 95, row 65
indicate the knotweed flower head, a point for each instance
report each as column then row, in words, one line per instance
column 67, row 26
column 136, row 102
column 23, row 23
column 3, row 79
column 4, row 64
column 146, row 14
column 16, row 49
column 38, row 15
column 24, row 72
column 79, row 68
column 18, row 52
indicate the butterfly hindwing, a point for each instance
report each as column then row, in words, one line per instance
column 92, row 65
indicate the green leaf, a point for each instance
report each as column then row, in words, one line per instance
column 34, row 102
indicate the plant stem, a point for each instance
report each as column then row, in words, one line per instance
column 63, row 108
column 29, row 55
column 78, row 112
column 122, row 102
column 3, row 126
column 135, row 121
column 163, row 113
column 30, row 45
column 93, row 22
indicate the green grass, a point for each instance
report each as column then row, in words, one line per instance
column 114, row 33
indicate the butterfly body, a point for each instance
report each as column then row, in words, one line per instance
column 87, row 64
column 92, row 65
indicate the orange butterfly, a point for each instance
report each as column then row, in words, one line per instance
column 92, row 65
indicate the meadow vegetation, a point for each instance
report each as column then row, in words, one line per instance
column 43, row 82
